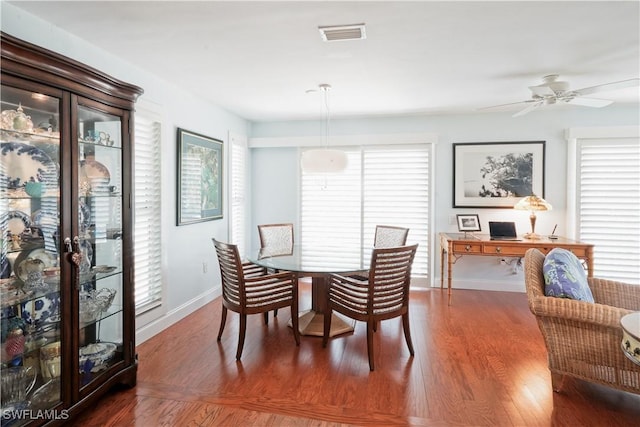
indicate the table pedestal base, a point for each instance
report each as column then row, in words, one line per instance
column 311, row 323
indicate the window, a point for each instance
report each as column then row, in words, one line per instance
column 147, row 213
column 386, row 185
column 607, row 197
column 238, row 191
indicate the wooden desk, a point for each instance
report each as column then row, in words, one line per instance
column 455, row 245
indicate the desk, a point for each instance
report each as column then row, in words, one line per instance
column 631, row 336
column 316, row 262
column 455, row 245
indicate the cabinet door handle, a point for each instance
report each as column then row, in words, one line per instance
column 467, row 248
column 76, row 255
column 67, row 245
column 498, row 249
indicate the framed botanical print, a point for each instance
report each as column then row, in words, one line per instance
column 200, row 161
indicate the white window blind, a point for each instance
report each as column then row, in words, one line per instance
column 147, row 209
column 238, row 191
column 386, row 185
column 608, row 205
column 396, row 192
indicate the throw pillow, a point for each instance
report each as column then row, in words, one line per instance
column 564, row 276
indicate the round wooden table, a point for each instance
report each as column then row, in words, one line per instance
column 631, row 336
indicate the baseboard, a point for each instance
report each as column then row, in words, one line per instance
column 485, row 285
column 155, row 327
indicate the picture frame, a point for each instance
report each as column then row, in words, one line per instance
column 497, row 174
column 199, row 186
column 468, row 222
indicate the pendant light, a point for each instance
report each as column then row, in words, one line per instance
column 324, row 160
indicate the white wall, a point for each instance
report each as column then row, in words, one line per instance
column 469, row 272
column 185, row 248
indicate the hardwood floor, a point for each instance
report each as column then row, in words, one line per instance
column 479, row 362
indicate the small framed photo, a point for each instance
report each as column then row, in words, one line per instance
column 468, row 222
column 199, row 178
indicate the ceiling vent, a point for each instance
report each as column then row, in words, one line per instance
column 335, row 33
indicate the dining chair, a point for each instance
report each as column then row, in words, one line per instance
column 276, row 235
column 279, row 236
column 388, row 236
column 384, row 295
column 248, row 289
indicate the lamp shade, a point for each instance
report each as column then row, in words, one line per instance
column 533, row 203
column 324, row 160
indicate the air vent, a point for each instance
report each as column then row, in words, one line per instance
column 343, row 32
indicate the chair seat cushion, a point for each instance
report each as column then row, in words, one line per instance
column 564, row 276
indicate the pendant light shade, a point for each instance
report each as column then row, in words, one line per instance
column 324, row 160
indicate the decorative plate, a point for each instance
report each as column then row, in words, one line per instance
column 47, row 258
column 45, row 309
column 24, row 163
column 17, row 222
column 94, row 176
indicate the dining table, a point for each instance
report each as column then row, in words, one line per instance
column 316, row 261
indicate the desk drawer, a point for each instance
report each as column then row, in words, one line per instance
column 579, row 252
column 467, row 248
column 504, row 249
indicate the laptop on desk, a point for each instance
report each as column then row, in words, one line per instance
column 503, row 230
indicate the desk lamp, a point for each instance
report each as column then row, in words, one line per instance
column 532, row 204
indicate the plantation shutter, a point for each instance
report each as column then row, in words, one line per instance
column 147, row 209
column 383, row 185
column 396, row 192
column 608, row 205
column 238, row 192
column 331, row 212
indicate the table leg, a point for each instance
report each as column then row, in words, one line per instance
column 311, row 322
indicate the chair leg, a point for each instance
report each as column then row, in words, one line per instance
column 407, row 332
column 275, row 312
column 223, row 321
column 243, row 330
column 266, row 317
column 327, row 326
column 294, row 324
column 370, row 326
column 557, row 382
column 295, row 316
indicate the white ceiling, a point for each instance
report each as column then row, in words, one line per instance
column 258, row 59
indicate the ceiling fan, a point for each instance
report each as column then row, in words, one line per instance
column 553, row 91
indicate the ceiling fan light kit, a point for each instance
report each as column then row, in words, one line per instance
column 553, row 91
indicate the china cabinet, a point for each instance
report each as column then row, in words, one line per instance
column 66, row 268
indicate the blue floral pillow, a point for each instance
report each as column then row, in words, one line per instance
column 564, row 276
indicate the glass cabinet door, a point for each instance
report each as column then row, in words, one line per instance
column 100, row 227
column 30, row 292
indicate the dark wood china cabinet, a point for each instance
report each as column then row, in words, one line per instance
column 66, row 245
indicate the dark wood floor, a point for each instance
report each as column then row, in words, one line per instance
column 479, row 362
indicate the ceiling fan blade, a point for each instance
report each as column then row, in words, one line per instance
column 528, row 109
column 542, row 90
column 590, row 102
column 608, row 86
column 505, row 105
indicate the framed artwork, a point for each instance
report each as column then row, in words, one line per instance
column 199, row 178
column 497, row 174
column 469, row 222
